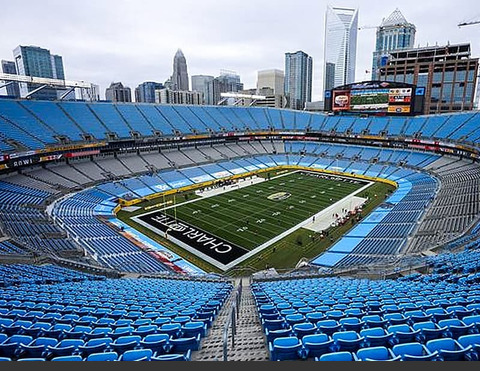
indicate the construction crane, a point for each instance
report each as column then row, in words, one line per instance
column 366, row 27
column 468, row 23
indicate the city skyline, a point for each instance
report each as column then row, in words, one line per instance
column 99, row 55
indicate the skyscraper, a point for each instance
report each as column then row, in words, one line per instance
column 329, row 75
column 298, row 79
column 395, row 33
column 13, row 90
column 227, row 82
column 341, row 27
column 180, row 73
column 200, row 83
column 167, row 96
column 38, row 62
column 274, row 79
column 118, row 93
column 145, row 92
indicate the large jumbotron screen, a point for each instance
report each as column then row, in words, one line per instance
column 373, row 97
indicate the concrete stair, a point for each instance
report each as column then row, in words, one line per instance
column 249, row 339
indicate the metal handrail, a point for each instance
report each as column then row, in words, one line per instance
column 232, row 321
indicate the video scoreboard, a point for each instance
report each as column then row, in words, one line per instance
column 381, row 98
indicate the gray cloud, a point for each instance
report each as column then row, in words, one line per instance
column 133, row 41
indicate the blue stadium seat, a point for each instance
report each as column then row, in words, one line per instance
column 448, row 349
column 145, row 330
column 376, row 336
column 121, row 331
column 459, row 311
column 395, row 318
column 124, row 343
column 85, row 320
column 174, row 330
column 414, row 352
column 102, row 357
column 292, row 319
column 402, row 334
column 141, row 322
column 37, row 329
column 471, row 341
column 438, row 313
column 376, row 354
column 158, row 343
column 273, row 334
column 354, row 312
column 120, row 322
column 270, row 316
column 193, row 329
column 98, row 332
column 11, row 346
column 267, row 309
column 274, row 324
column 316, row 345
column 338, row 357
column 374, row 320
column 335, row 314
column 351, row 324
column 455, row 328
column 78, row 332
column 68, row 358
column 328, row 326
column 65, row 347
column 472, row 320
column 285, row 349
column 173, row 357
column 137, row 355
column 95, row 345
column 417, row 315
column 37, row 348
column 428, row 331
column 16, row 328
column 304, row 328
column 182, row 345
column 349, row 341
column 314, row 317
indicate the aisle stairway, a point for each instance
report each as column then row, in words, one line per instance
column 249, row 338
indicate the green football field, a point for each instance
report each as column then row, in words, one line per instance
column 250, row 216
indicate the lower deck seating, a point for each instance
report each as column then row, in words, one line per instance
column 418, row 317
column 55, row 314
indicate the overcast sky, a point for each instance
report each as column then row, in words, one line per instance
column 135, row 40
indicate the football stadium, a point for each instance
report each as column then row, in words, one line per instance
column 137, row 231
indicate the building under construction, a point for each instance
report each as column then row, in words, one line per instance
column 448, row 73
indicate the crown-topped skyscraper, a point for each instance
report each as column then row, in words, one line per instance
column 395, row 33
column 180, row 72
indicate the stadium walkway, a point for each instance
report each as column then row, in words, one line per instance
column 249, row 340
